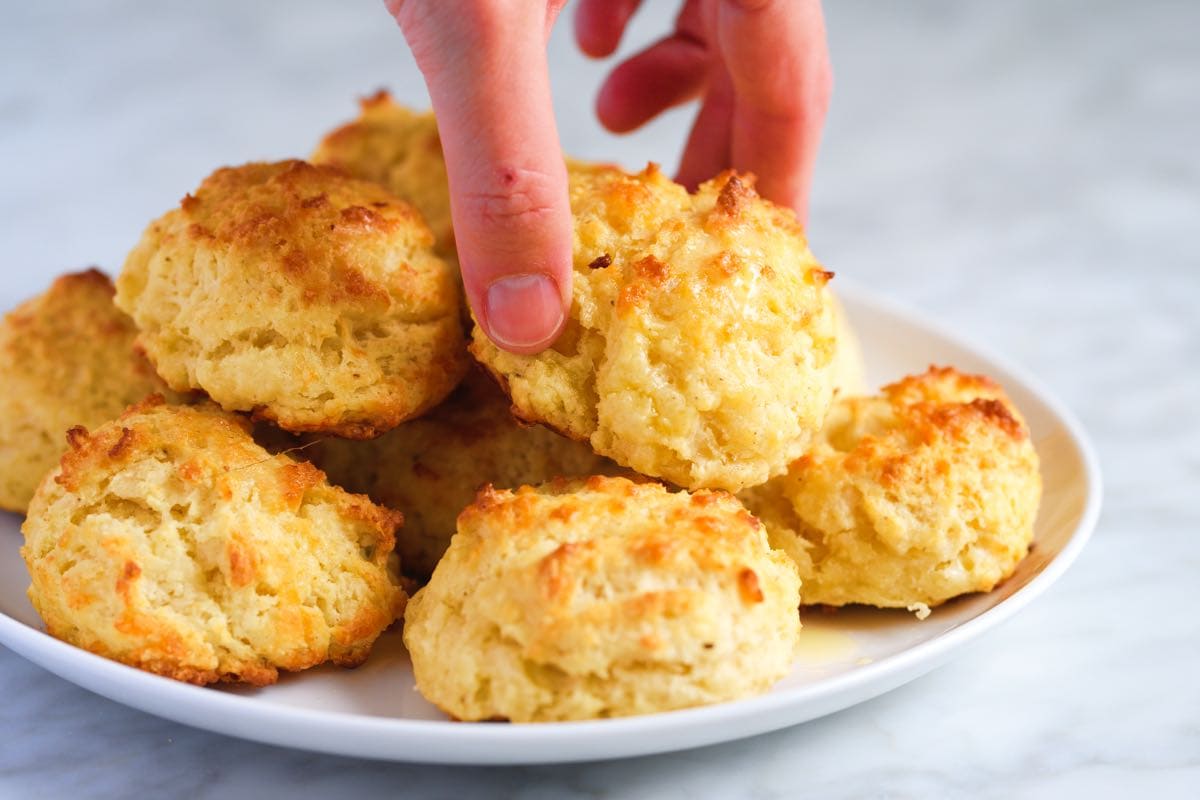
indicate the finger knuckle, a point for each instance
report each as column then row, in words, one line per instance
column 512, row 197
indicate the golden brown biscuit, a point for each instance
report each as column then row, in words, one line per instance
column 910, row 498
column 170, row 541
column 300, row 294
column 602, row 598
column 700, row 339
column 400, row 149
column 430, row 468
column 66, row 358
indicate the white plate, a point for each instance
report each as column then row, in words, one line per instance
column 847, row 658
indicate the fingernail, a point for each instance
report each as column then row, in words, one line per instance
column 523, row 313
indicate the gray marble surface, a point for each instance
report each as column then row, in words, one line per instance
column 1027, row 173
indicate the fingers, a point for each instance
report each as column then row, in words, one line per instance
column 666, row 74
column 670, row 72
column 599, row 25
column 708, row 147
column 553, row 9
column 779, row 68
column 487, row 76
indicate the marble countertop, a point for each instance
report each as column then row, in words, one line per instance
column 1026, row 173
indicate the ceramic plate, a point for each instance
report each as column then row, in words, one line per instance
column 845, row 658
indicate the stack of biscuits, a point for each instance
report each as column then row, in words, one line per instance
column 279, row 433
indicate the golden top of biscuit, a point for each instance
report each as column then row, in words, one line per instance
column 328, row 237
column 67, row 358
column 430, row 468
column 400, row 149
column 925, row 492
column 298, row 293
column 170, row 541
column 938, row 409
column 700, row 339
column 601, row 597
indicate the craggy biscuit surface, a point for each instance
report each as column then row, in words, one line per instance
column 170, row 541
column 700, row 341
column 400, row 149
column 430, row 468
column 67, row 358
column 909, row 498
column 295, row 292
column 602, row 598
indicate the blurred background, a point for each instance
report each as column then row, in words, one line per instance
column 1026, row 173
column 968, row 144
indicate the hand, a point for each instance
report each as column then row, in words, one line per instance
column 485, row 65
column 761, row 68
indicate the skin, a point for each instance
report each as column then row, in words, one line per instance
column 760, row 69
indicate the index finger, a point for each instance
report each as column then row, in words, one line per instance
column 485, row 65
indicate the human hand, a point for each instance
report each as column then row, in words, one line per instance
column 760, row 65
column 485, row 65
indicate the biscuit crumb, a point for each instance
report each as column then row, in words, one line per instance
column 702, row 353
column 151, row 549
column 68, row 362
column 357, row 325
column 924, row 492
column 625, row 606
column 919, row 610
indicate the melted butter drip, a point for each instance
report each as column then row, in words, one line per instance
column 819, row 643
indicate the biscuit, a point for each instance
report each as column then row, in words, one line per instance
column 168, row 540
column 400, row 149
column 602, row 598
column 66, row 358
column 700, row 339
column 297, row 293
column 430, row 468
column 909, row 498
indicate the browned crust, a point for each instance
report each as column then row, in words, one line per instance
column 379, row 97
column 362, row 430
column 748, row 587
column 86, row 450
column 276, row 208
column 647, row 277
column 166, row 655
column 928, row 404
column 553, row 574
column 736, row 193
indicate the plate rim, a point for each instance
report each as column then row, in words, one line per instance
column 443, row 742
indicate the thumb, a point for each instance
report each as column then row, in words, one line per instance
column 488, row 79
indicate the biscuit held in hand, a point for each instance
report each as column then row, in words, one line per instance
column 295, row 292
column 66, row 358
column 700, row 342
column 927, row 491
column 602, row 598
column 170, row 541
